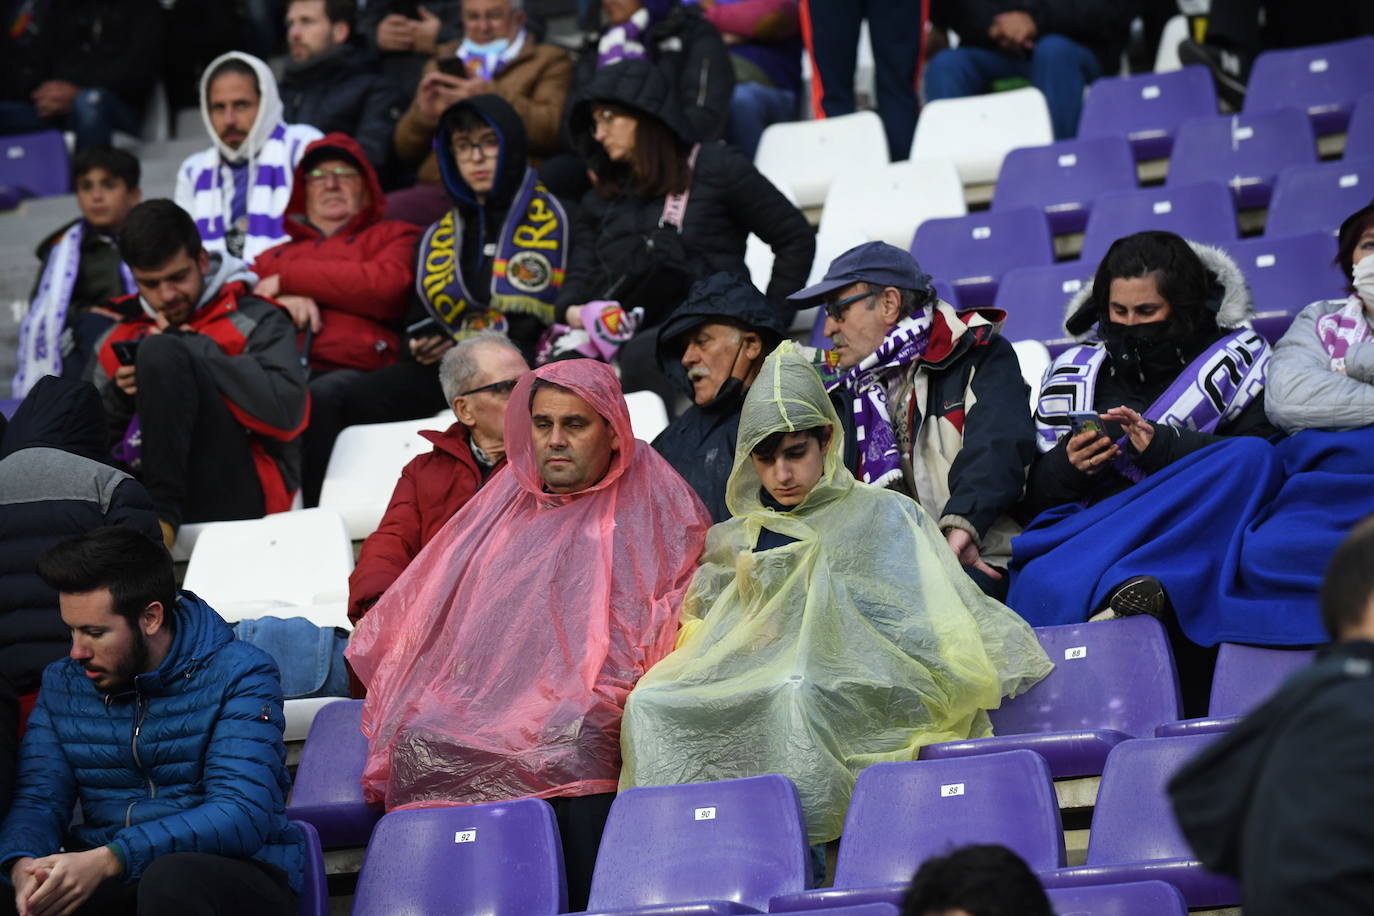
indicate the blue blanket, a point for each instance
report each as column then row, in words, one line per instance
column 1239, row 533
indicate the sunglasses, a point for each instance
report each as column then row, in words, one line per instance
column 502, row 387
column 837, row 308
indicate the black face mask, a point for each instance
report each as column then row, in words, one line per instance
column 1151, row 352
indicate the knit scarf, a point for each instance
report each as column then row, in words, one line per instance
column 269, row 192
column 624, row 41
column 40, row 350
column 1341, row 330
column 484, row 64
column 880, row 460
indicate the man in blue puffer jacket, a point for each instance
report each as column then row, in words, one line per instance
column 169, row 733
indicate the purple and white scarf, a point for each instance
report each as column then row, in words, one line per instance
column 624, row 41
column 270, row 174
column 1213, row 389
column 880, row 459
column 1342, row 329
column 40, row 334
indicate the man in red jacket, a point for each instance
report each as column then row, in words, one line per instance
column 477, row 376
column 346, row 279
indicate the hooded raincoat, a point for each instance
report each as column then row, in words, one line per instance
column 834, row 651
column 498, row 663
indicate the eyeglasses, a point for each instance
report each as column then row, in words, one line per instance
column 835, row 310
column 502, row 387
column 341, row 172
column 489, row 145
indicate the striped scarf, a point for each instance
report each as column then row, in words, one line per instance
column 624, row 41
column 1342, row 329
column 270, row 172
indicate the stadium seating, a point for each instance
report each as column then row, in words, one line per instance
column 1245, row 151
column 1134, row 835
column 1322, row 80
column 1034, row 358
column 327, row 791
column 1139, row 898
column 648, row 415
column 1035, row 299
column 314, row 888
column 282, row 560
column 1318, row 198
column 36, row 164
column 834, row 146
column 1113, row 680
column 904, row 813
column 887, row 204
column 977, row 132
column 365, row 465
column 503, row 857
column 1289, row 272
column 1148, row 108
column 1359, row 139
column 1204, row 212
column 1245, row 677
column 973, row 252
column 1064, row 178
column 745, row 841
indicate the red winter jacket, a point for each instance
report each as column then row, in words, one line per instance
column 361, row 276
column 433, row 486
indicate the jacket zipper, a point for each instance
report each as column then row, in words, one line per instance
column 133, row 746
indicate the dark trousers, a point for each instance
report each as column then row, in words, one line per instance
column 344, row 397
column 197, row 466
column 85, row 330
column 95, row 115
column 191, row 884
column 581, row 821
column 833, row 41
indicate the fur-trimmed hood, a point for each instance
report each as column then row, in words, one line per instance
column 1237, row 303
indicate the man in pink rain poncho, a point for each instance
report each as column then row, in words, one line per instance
column 498, row 664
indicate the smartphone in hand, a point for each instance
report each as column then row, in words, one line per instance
column 1085, row 420
column 126, row 351
column 427, row 327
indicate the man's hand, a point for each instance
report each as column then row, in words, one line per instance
column 1091, row 451
column 268, row 287
column 437, row 91
column 961, row 542
column 396, row 33
column 1140, row 430
column 303, row 310
column 425, row 35
column 25, row 881
column 54, row 97
column 429, row 350
column 124, row 380
column 1014, row 31
column 71, row 878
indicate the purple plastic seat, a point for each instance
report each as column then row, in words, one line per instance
column 1271, row 325
column 328, row 789
column 1139, row 898
column 35, row 163
column 503, row 857
column 1148, row 108
column 1134, row 835
column 1113, row 680
column 973, row 252
column 314, row 888
column 904, row 813
column 1288, row 273
column 1359, row 137
column 712, row 847
column 1245, row 151
column 1203, row 212
column 1035, row 298
column 9, row 405
column 1245, row 677
column 862, row 909
column 1322, row 80
column 1318, row 198
column 1064, row 178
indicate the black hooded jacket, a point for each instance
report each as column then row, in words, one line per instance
column 53, row 486
column 700, row 443
column 728, row 200
column 339, row 91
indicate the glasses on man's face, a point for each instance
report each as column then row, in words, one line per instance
column 339, row 172
column 835, row 310
column 502, row 387
column 488, row 146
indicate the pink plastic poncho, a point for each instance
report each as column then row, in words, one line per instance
column 498, row 664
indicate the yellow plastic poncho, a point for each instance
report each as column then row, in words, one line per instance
column 858, row 643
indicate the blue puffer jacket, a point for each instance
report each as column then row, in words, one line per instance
column 191, row 759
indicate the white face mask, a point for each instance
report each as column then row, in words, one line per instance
column 1364, row 282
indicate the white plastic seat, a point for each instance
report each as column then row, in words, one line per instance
column 887, row 204
column 807, row 156
column 648, row 416
column 187, row 534
column 1035, row 359
column 364, row 466
column 248, row 568
column 977, row 132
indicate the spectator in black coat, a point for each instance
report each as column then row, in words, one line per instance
column 330, row 82
column 91, row 66
column 406, row 34
column 712, row 348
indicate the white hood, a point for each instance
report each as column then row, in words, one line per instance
column 269, row 108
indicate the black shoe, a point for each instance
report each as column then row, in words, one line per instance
column 1138, row 595
column 1230, row 70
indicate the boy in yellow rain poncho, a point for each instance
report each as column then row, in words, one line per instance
column 828, row 626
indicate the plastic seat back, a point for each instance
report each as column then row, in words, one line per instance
column 1035, row 299
column 503, row 857
column 1245, row 151
column 1322, row 80
column 1138, row 898
column 978, row 131
column 1147, row 108
column 807, row 156
column 35, row 163
column 1064, row 178
column 1203, row 212
column 888, row 204
column 1247, row 675
column 327, row 790
column 740, row 840
column 364, row 466
column 1290, row 272
column 1359, row 136
column 904, row 813
column 1318, row 198
column 314, row 896
column 973, row 252
column 1133, row 820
